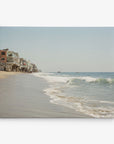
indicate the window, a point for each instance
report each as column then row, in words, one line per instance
column 2, row 59
column 10, row 54
column 3, row 53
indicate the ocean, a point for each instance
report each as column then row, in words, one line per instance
column 91, row 93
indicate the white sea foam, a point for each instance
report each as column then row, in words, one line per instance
column 53, row 79
column 50, row 77
column 80, row 104
column 89, row 107
column 88, row 79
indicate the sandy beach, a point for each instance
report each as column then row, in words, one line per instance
column 22, row 96
column 4, row 74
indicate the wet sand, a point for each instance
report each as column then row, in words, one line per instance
column 21, row 96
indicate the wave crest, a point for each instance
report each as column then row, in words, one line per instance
column 91, row 80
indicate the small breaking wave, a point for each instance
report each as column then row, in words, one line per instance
column 74, row 81
column 92, row 108
column 50, row 77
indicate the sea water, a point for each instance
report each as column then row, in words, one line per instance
column 91, row 93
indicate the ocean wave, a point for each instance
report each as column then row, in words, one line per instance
column 92, row 108
column 91, row 80
column 53, row 78
column 50, row 77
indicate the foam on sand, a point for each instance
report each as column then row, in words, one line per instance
column 89, row 107
column 94, row 108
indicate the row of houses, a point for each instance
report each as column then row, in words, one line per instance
column 10, row 61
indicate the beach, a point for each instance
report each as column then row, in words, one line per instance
column 4, row 74
column 22, row 96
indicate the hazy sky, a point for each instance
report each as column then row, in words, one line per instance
column 64, row 49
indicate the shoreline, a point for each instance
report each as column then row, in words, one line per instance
column 22, row 96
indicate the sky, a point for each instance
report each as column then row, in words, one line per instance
column 66, row 49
